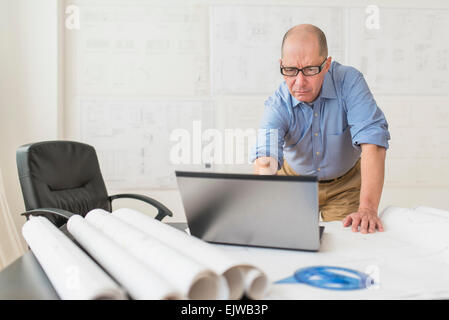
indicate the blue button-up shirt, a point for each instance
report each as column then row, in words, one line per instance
column 323, row 139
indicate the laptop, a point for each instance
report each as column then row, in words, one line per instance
column 252, row 210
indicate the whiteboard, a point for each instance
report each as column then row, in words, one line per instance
column 141, row 50
column 132, row 138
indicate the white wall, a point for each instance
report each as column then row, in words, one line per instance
column 28, row 85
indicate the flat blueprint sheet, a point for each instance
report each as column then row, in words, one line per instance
column 409, row 260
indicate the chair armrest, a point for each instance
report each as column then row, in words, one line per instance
column 52, row 212
column 162, row 210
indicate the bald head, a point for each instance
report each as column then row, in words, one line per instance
column 306, row 34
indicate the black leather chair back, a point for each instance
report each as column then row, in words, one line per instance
column 61, row 174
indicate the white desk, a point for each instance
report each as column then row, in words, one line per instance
column 404, row 270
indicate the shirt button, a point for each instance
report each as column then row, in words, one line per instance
column 316, row 134
column 317, row 153
column 319, row 169
column 316, row 114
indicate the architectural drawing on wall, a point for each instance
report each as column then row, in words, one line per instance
column 418, row 154
column 132, row 138
column 406, row 55
column 246, row 43
column 240, row 117
column 141, row 49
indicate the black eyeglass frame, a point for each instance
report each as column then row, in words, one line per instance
column 320, row 68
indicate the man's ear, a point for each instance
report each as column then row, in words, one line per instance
column 280, row 62
column 328, row 63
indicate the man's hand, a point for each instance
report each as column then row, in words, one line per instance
column 367, row 219
column 265, row 165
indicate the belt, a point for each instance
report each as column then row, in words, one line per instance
column 331, row 180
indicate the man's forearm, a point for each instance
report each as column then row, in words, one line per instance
column 372, row 172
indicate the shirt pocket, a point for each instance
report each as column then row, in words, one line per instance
column 339, row 147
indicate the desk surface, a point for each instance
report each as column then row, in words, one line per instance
column 26, row 280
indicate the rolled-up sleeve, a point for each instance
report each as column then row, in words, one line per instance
column 271, row 133
column 367, row 122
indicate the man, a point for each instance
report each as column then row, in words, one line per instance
column 324, row 121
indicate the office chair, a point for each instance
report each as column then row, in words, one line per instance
column 62, row 178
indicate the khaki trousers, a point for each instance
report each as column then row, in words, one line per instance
column 338, row 198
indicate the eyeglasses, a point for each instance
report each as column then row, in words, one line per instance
column 307, row 71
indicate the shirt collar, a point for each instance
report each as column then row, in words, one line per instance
column 295, row 101
column 328, row 87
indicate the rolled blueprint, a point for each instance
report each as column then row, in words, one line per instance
column 192, row 279
column 140, row 281
column 73, row 274
column 255, row 281
column 237, row 274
